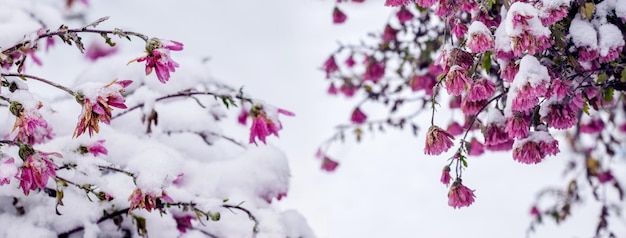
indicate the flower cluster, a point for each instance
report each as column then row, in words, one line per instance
column 148, row 201
column 37, row 169
column 264, row 121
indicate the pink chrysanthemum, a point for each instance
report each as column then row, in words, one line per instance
column 476, row 148
column 36, row 171
column 338, row 16
column 480, row 38
column 517, row 126
column 457, row 80
column 358, row 117
column 445, row 175
column 98, row 104
column 561, row 116
column 330, row 66
column 404, row 15
column 535, row 147
column 495, row 135
column 471, row 108
column 594, row 126
column 459, row 195
column 264, row 125
column 158, row 58
column 31, row 127
column 437, row 141
column 455, row 129
column 481, row 89
column 374, row 71
column 397, row 3
column 138, row 199
column 423, row 82
column 8, row 170
column 455, row 56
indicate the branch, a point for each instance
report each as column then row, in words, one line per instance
column 102, row 219
column 183, row 94
column 56, row 85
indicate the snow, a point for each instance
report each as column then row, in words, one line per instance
column 477, row 27
column 583, row 33
column 502, row 39
column 610, row 38
column 534, row 24
column 530, row 72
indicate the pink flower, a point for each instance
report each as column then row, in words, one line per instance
column 476, row 148
column 243, row 116
column 459, row 30
column 31, row 127
column 455, row 56
column 457, row 80
column 496, row 138
column 481, row 89
column 183, row 222
column 36, row 171
column 350, row 62
column 480, row 38
column 348, row 89
column 97, row 148
column 437, row 141
column 594, row 126
column 97, row 50
column 472, row 107
column 404, row 15
column 8, row 170
column 338, row 16
column 423, row 82
column 603, row 177
column 587, row 54
column 138, row 199
column 358, row 117
column 509, row 71
column 374, row 71
column 396, row 3
column 446, row 8
column 534, row 211
column 332, row 90
column 98, row 106
column 455, row 102
column 264, row 125
column 535, row 148
column 330, row 66
column 554, row 14
column 455, row 129
column 389, row 34
column 459, row 195
column 518, row 126
column 445, row 175
column 425, row 3
column 158, row 57
column 328, row 164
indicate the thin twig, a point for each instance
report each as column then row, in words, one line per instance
column 56, row 85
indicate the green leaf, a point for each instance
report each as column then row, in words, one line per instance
column 586, row 108
column 225, row 101
column 623, row 78
column 487, row 61
column 608, row 94
column 588, row 9
column 602, row 78
column 464, row 162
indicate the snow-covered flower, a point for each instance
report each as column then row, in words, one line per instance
column 265, row 122
column 338, row 16
column 528, row 35
column 611, row 42
column 37, row 169
column 98, row 102
column 445, row 175
column 535, row 147
column 8, row 170
column 459, row 195
column 459, row 29
column 183, row 222
column 480, row 38
column 148, row 201
column 358, row 117
column 158, row 57
column 397, row 3
column 457, row 80
column 481, row 89
column 31, row 127
column 437, row 141
column 518, row 126
column 374, row 70
column 553, row 11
